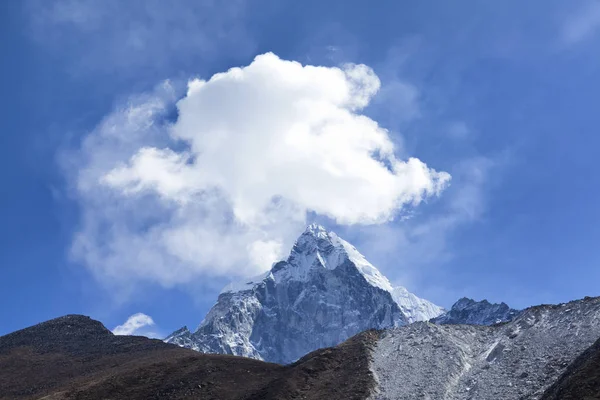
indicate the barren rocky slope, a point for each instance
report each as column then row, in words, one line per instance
column 515, row 360
column 581, row 380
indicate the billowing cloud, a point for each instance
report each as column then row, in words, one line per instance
column 134, row 324
column 225, row 188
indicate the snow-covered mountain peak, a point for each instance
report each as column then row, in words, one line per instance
column 319, row 248
column 316, row 248
column 316, row 230
column 323, row 293
column 331, row 251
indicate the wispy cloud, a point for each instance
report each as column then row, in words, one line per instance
column 458, row 130
column 224, row 189
column 135, row 37
column 136, row 324
column 582, row 24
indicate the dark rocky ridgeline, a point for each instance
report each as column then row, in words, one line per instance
column 581, row 380
column 76, row 335
column 75, row 357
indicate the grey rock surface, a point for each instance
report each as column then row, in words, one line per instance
column 581, row 380
column 516, row 360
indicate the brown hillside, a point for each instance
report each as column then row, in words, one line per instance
column 75, row 357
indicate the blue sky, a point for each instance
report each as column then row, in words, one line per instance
column 503, row 96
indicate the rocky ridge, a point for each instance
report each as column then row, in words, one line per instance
column 471, row 312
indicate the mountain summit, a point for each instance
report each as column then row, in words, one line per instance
column 324, row 293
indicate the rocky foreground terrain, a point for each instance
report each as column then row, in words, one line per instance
column 75, row 357
column 515, row 360
column 581, row 380
column 547, row 352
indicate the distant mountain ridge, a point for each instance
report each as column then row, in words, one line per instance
column 470, row 312
column 322, row 294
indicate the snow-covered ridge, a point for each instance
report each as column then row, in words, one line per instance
column 415, row 308
column 317, row 244
column 367, row 270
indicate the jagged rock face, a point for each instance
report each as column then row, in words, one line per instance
column 512, row 361
column 471, row 312
column 324, row 293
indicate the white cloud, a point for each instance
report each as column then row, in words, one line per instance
column 582, row 24
column 227, row 186
column 277, row 129
column 134, row 324
column 413, row 253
